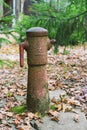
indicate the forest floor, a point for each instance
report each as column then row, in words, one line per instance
column 67, row 78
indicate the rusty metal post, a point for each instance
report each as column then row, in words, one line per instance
column 37, row 87
column 36, row 46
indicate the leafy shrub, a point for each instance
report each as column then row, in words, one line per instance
column 5, row 25
column 25, row 23
column 67, row 25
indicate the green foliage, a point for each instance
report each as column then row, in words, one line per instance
column 66, row 52
column 53, row 107
column 5, row 31
column 41, row 15
column 25, row 23
column 6, row 63
column 66, row 21
column 5, row 25
column 18, row 109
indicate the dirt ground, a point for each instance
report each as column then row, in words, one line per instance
column 67, row 79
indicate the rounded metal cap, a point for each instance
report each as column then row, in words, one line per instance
column 36, row 32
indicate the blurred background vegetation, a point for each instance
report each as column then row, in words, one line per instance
column 65, row 20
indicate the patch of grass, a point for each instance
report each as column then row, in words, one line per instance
column 9, row 94
column 66, row 52
column 53, row 107
column 65, row 69
column 6, row 63
column 19, row 109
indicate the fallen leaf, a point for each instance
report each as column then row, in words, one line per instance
column 73, row 102
column 59, row 107
column 51, row 88
column 31, row 115
column 24, row 127
column 66, row 108
column 52, row 113
column 16, row 122
column 9, row 114
column 1, row 116
column 55, row 118
column 54, row 100
column 4, row 122
column 76, row 118
column 58, row 84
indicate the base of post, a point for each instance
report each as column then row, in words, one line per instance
column 38, row 105
column 37, row 89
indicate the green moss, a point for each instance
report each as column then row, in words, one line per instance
column 53, row 107
column 19, row 109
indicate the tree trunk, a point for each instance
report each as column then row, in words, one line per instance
column 27, row 4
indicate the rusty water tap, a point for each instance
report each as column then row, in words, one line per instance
column 37, row 86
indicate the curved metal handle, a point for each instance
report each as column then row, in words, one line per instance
column 22, row 47
column 50, row 43
column 53, row 41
